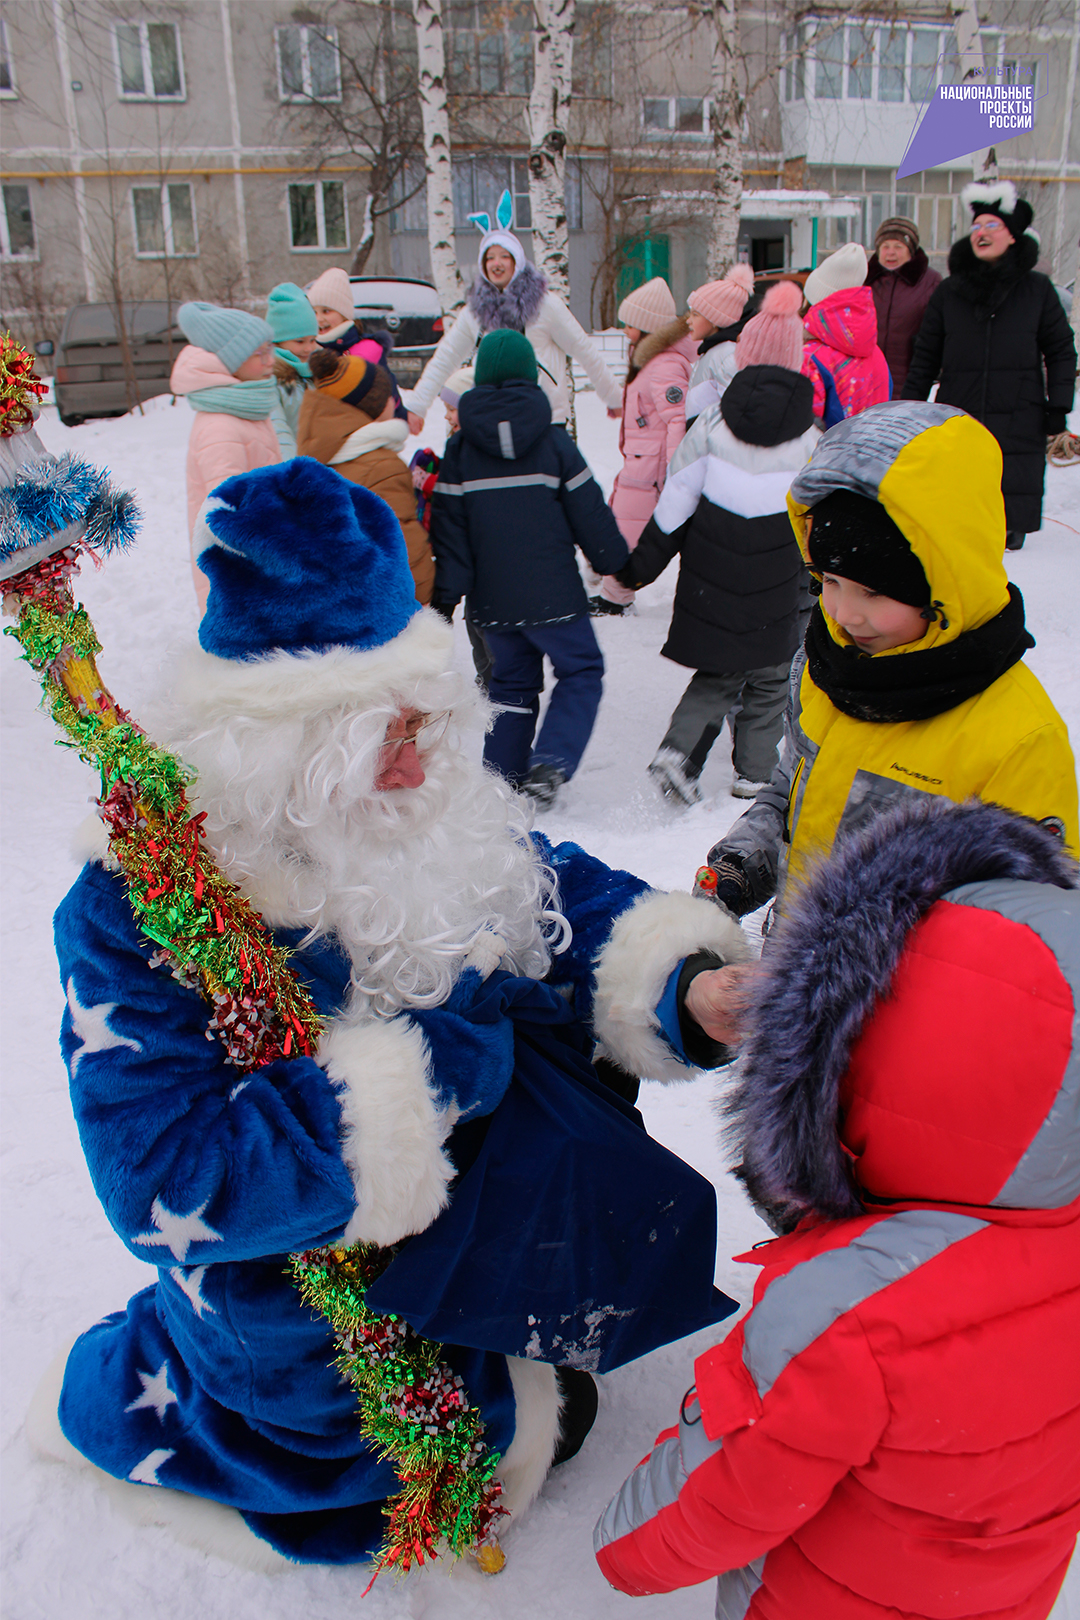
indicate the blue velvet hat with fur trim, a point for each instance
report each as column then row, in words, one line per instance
column 300, row 559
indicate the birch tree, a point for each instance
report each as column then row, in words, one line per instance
column 549, row 110
column 728, row 112
column 431, row 51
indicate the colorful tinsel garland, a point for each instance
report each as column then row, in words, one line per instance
column 413, row 1409
column 20, row 388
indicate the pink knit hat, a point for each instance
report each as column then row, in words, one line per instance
column 332, row 290
column 722, row 302
column 775, row 335
column 649, row 307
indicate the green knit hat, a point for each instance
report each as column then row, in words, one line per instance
column 505, row 356
column 289, row 313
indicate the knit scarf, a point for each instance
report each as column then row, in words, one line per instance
column 301, row 367
column 514, row 307
column 916, row 685
column 251, row 400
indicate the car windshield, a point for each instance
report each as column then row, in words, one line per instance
column 395, row 297
column 96, row 323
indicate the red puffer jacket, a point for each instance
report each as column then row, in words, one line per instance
column 841, row 355
column 894, row 1427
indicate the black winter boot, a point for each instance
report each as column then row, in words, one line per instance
column 580, row 1401
column 542, row 785
column 1014, row 540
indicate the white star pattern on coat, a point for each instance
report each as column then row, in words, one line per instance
column 178, row 1232
column 145, row 1473
column 91, row 1026
column 189, row 1280
column 155, row 1392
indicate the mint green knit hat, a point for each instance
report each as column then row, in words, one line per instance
column 289, row 313
column 232, row 334
column 503, row 356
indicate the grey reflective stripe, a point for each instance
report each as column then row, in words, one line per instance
column 798, row 1307
column 522, row 481
column 858, row 452
column 735, row 1590
column 1048, row 1175
column 579, row 478
column 449, row 489
column 655, row 1484
column 506, row 441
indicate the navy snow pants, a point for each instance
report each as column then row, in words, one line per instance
column 515, row 685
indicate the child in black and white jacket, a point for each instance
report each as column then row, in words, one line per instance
column 740, row 601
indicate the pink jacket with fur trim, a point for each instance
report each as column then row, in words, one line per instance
column 220, row 445
column 653, row 423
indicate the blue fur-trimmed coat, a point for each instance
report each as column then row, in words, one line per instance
column 215, row 1380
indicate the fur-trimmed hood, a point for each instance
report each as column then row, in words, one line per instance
column 654, row 343
column 514, row 307
column 911, row 1036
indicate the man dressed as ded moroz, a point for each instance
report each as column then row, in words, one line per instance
column 467, row 973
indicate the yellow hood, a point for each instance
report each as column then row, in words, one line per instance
column 937, row 472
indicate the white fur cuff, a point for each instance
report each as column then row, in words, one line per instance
column 647, row 943
column 537, row 1406
column 392, row 1127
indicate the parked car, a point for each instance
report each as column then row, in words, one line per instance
column 90, row 376
column 410, row 311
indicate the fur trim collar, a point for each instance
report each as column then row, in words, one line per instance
column 388, row 435
column 209, row 688
column 834, row 958
column 988, row 283
column 654, row 343
column 514, row 307
column 910, row 273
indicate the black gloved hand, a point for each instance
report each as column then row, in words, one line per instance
column 444, row 607
column 732, row 885
column 1055, row 420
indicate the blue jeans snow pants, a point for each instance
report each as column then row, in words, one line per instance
column 516, row 682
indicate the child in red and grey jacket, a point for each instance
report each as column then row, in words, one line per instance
column 894, row 1427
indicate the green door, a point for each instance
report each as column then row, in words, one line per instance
column 642, row 258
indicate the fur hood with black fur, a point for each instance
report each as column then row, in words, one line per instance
column 836, row 964
column 986, row 281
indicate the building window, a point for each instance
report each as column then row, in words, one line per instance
column 491, row 49
column 794, row 48
column 892, row 59
column 575, row 205
column 164, row 221
column 479, row 183
column 675, row 115
column 829, row 65
column 317, row 219
column 148, row 61
column 17, row 239
column 308, row 66
column 408, row 199
column 7, row 70
column 860, row 56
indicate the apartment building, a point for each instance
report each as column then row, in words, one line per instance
column 210, row 148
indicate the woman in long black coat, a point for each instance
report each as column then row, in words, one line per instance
column 996, row 334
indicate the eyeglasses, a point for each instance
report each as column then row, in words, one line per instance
column 988, row 225
column 425, row 730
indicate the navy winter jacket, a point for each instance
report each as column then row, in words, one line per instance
column 514, row 497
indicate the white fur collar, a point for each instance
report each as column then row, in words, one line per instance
column 388, row 435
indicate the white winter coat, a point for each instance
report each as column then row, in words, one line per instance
column 554, row 334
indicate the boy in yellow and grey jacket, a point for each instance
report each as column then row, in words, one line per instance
column 912, row 681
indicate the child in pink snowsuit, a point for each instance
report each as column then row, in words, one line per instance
column 840, row 348
column 662, row 354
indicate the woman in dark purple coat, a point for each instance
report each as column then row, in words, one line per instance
column 901, row 280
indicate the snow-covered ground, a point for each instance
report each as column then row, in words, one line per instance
column 67, row 1551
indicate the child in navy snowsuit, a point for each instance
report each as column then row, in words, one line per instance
column 514, row 498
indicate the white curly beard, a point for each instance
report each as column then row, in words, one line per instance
column 406, row 881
